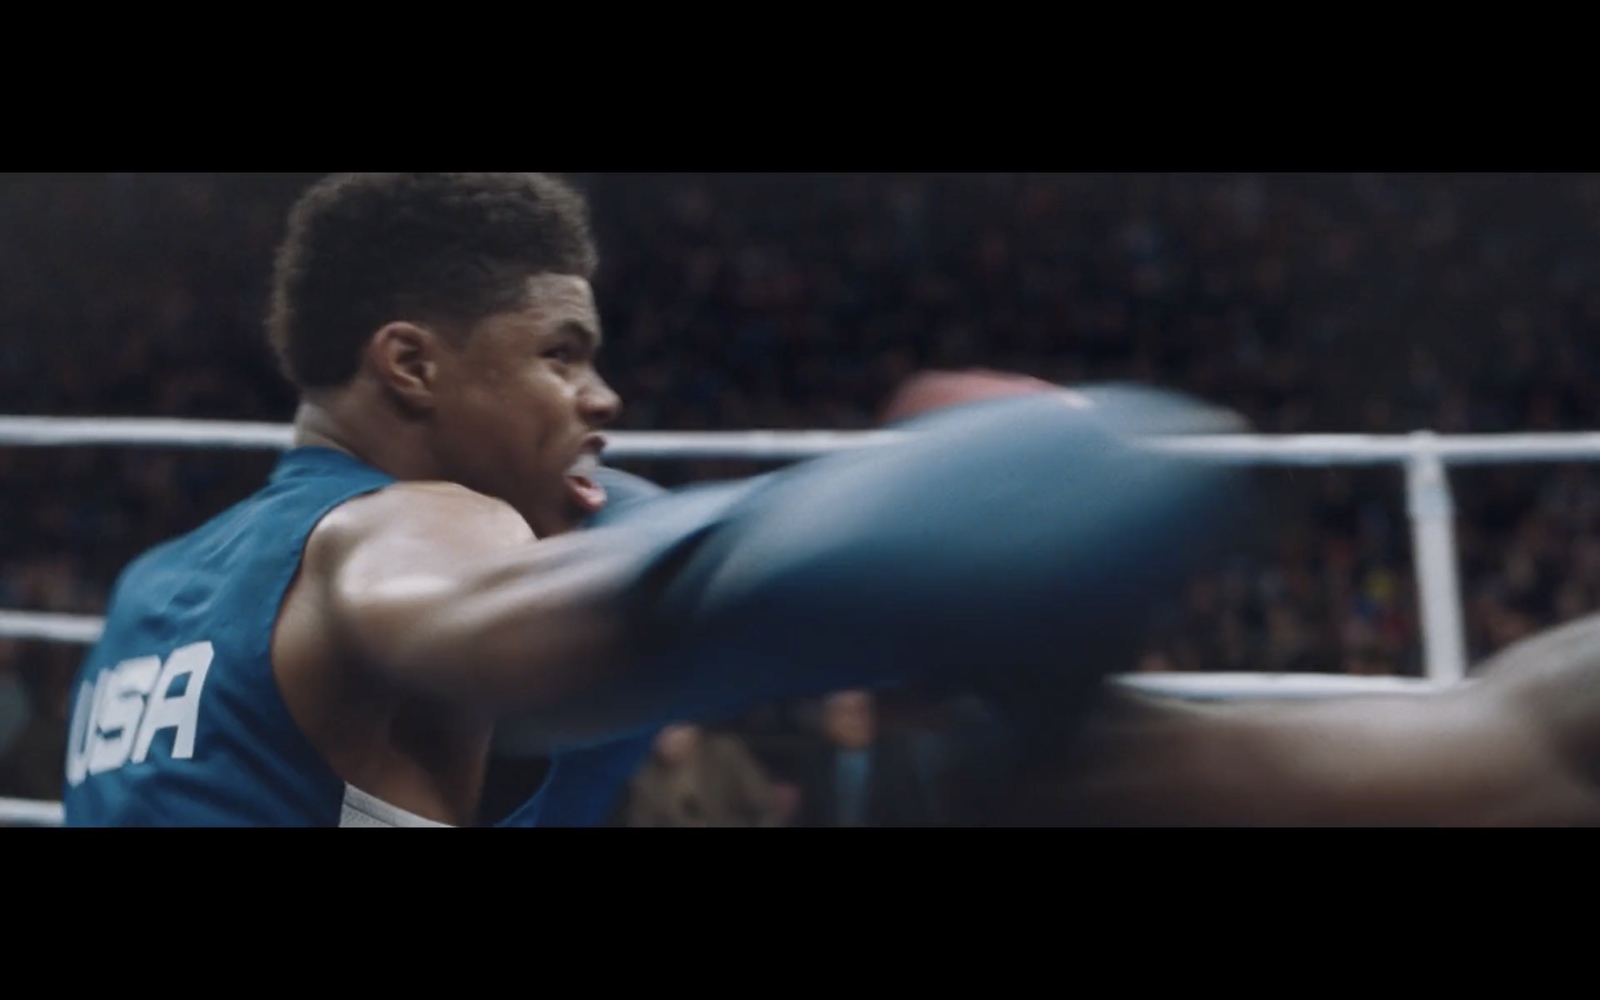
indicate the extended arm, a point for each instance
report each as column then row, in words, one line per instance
column 1039, row 523
column 446, row 593
column 1518, row 746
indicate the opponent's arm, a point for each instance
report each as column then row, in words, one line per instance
column 1517, row 747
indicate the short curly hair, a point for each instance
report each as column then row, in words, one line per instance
column 363, row 250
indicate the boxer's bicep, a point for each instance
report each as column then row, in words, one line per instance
column 449, row 595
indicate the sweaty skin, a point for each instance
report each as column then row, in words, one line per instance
column 1517, row 746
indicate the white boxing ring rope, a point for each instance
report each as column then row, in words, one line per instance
column 1424, row 455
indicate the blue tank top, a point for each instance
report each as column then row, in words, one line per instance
column 177, row 719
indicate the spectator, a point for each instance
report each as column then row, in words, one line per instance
column 696, row 778
column 859, row 775
column 32, row 768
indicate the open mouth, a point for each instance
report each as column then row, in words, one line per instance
column 588, row 493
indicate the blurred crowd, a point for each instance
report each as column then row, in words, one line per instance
column 853, row 759
column 1310, row 303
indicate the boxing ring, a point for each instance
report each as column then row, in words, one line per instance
column 1424, row 455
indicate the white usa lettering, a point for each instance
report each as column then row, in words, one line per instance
column 116, row 718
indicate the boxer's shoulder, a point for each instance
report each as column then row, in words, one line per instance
column 1551, row 681
column 397, row 522
column 386, row 562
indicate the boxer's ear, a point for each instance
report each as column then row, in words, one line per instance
column 406, row 359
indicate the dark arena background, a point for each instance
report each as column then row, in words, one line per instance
column 1339, row 313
